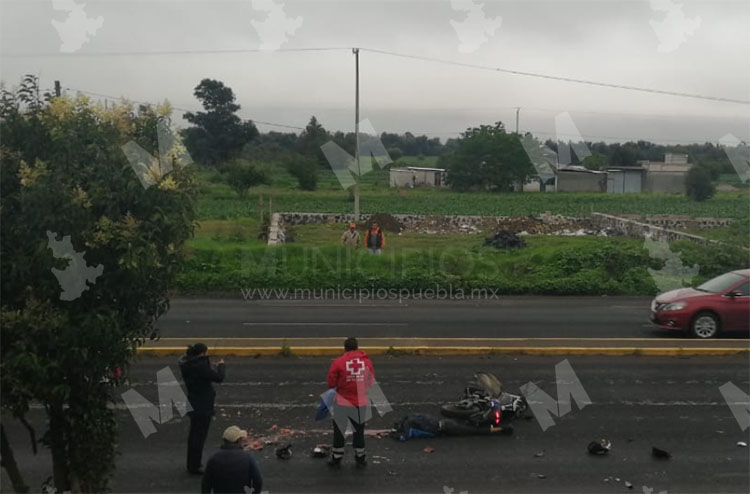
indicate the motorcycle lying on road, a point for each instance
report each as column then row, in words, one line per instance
column 484, row 409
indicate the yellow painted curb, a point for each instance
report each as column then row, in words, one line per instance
column 311, row 351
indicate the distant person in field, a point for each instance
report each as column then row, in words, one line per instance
column 350, row 237
column 375, row 239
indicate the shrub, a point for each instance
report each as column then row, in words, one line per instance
column 698, row 185
column 241, row 175
column 305, row 170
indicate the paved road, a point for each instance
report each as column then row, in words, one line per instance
column 539, row 317
column 638, row 402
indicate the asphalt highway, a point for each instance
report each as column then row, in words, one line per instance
column 637, row 403
column 504, row 317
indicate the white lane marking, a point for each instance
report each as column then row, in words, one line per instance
column 324, row 324
column 312, row 405
column 315, row 306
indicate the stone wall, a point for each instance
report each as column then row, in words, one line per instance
column 659, row 227
column 438, row 224
column 677, row 221
column 634, row 228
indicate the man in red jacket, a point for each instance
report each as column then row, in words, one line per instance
column 352, row 375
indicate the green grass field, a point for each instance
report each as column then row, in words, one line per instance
column 226, row 256
column 218, row 201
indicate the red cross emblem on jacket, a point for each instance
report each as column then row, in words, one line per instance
column 352, row 375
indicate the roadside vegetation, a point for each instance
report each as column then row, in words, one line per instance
column 227, row 256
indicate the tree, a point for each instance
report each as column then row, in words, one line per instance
column 218, row 134
column 487, row 158
column 64, row 173
column 310, row 140
column 395, row 153
column 305, row 170
column 596, row 161
column 698, row 185
column 241, row 175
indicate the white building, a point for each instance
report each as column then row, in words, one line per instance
column 415, row 176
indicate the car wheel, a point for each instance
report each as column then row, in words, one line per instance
column 705, row 325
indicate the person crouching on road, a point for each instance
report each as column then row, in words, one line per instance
column 198, row 376
column 350, row 237
column 375, row 239
column 232, row 469
column 351, row 375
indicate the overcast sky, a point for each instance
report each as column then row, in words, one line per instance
column 700, row 47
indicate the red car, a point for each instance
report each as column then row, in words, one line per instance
column 720, row 304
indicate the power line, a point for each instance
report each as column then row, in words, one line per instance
column 227, row 51
column 458, row 132
column 559, row 78
column 584, row 137
column 182, row 110
column 389, row 53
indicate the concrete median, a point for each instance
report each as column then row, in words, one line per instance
column 251, row 347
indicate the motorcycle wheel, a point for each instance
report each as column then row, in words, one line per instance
column 457, row 412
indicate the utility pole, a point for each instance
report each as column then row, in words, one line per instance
column 58, row 90
column 518, row 110
column 356, row 132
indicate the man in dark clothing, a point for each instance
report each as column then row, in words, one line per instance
column 232, row 469
column 198, row 376
column 375, row 239
column 352, row 375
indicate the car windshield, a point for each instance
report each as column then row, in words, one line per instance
column 720, row 283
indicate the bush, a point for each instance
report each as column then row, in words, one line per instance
column 698, row 185
column 305, row 170
column 241, row 175
column 395, row 153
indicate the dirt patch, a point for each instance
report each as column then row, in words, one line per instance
column 386, row 222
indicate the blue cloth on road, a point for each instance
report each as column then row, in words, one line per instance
column 326, row 402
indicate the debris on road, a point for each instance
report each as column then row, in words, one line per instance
column 505, row 240
column 429, row 450
column 660, row 453
column 539, row 454
column 742, row 444
column 628, row 485
column 541, row 476
column 600, row 447
column 279, row 435
column 285, row 452
column 321, row 450
column 256, row 445
column 378, row 433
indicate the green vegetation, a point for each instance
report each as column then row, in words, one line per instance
column 698, row 184
column 218, row 135
column 217, row 201
column 240, row 176
column 487, row 158
column 88, row 255
column 738, row 233
column 222, row 259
